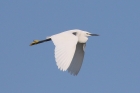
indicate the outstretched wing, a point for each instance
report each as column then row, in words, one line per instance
column 77, row 60
column 65, row 45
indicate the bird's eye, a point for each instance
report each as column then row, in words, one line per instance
column 74, row 33
column 87, row 33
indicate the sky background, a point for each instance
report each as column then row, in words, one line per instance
column 112, row 60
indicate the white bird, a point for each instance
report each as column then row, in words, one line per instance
column 69, row 49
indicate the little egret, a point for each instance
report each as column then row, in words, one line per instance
column 69, row 49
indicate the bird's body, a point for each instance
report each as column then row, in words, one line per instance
column 69, row 49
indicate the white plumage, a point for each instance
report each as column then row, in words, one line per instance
column 69, row 49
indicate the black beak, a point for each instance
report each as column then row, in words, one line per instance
column 94, row 34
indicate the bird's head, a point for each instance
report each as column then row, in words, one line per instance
column 83, row 35
column 78, row 32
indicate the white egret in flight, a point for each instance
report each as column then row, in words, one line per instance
column 69, row 49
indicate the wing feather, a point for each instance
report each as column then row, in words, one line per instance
column 77, row 60
column 65, row 45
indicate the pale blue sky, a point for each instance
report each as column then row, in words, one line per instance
column 112, row 60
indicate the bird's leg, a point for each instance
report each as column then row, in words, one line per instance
column 38, row 42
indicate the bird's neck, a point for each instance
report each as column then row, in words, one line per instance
column 82, row 39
